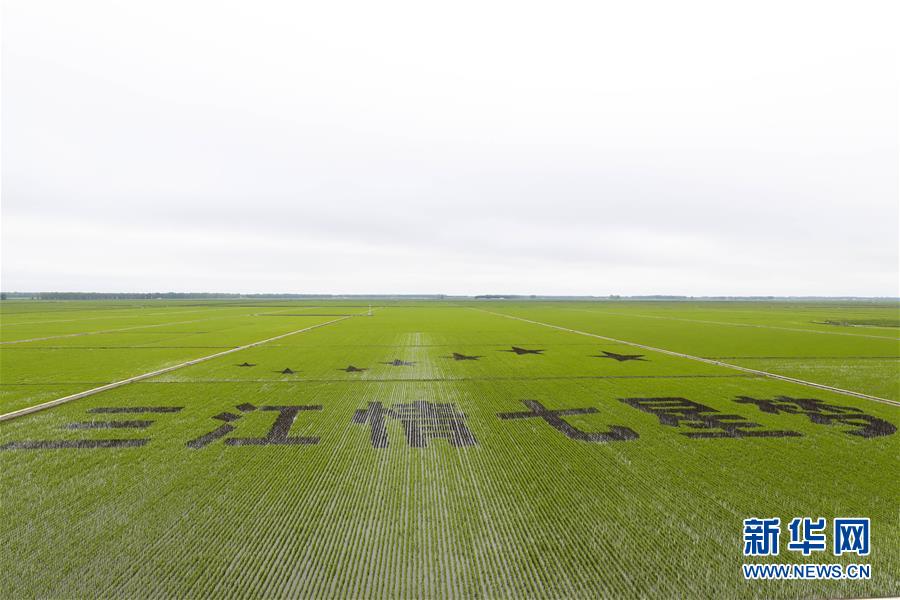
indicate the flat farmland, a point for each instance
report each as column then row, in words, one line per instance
column 440, row 449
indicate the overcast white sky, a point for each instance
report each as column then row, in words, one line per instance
column 454, row 147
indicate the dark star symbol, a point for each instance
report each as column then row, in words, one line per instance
column 458, row 356
column 399, row 363
column 287, row 371
column 246, row 364
column 620, row 357
column 352, row 369
column 521, row 351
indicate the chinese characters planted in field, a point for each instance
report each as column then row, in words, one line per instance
column 104, row 425
column 423, row 422
column 554, row 418
column 278, row 433
column 817, row 411
column 707, row 422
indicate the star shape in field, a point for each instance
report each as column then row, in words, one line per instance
column 521, row 351
column 620, row 357
column 458, row 356
column 352, row 369
column 399, row 363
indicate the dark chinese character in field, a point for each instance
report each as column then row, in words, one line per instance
column 761, row 536
column 817, row 411
column 422, row 421
column 278, row 433
column 374, row 416
column 674, row 412
column 554, row 418
column 103, row 425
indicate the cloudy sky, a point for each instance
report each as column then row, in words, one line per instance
column 456, row 147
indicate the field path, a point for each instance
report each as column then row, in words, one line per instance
column 109, row 386
column 82, row 333
column 128, row 315
column 79, row 334
column 708, row 361
column 754, row 325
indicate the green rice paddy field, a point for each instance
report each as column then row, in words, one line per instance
column 441, row 449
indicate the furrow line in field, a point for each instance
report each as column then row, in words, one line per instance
column 144, row 347
column 83, row 333
column 299, row 380
column 122, row 329
column 116, row 384
column 753, row 325
column 703, row 360
column 104, row 317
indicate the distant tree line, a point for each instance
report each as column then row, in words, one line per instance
column 196, row 296
column 137, row 296
column 224, row 296
column 120, row 296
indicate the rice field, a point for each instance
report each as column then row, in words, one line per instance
column 490, row 449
